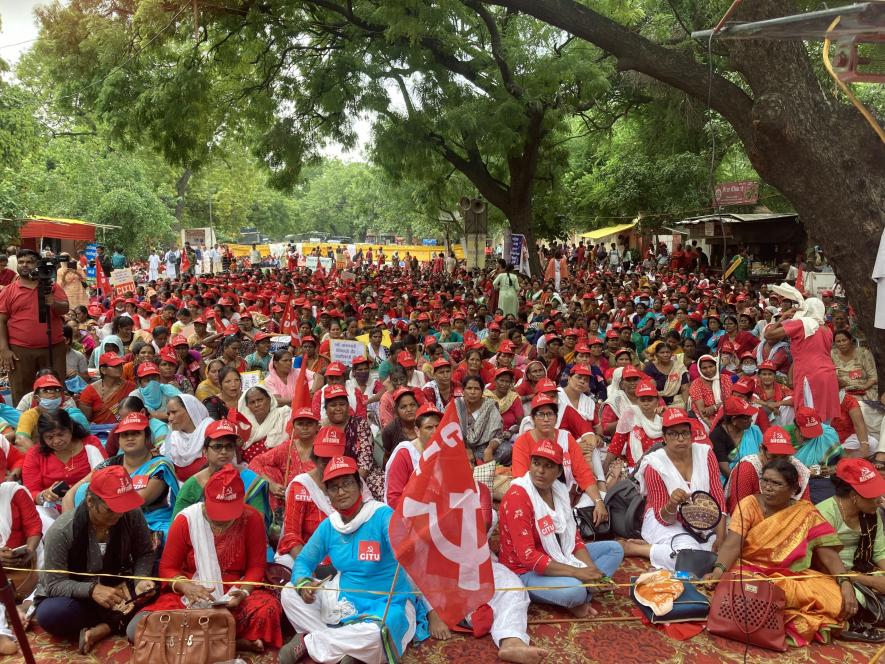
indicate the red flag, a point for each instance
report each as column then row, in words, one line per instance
column 800, row 281
column 101, row 280
column 301, row 398
column 289, row 322
column 185, row 261
column 438, row 531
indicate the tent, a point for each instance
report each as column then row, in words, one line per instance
column 60, row 229
column 600, row 233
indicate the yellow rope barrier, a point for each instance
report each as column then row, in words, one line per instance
column 599, row 585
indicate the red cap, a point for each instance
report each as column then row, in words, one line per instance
column 335, row 369
column 611, row 334
column 632, row 372
column 262, row 336
column 777, row 441
column 133, row 422
column 110, row 360
column 114, row 486
column 646, row 388
column 147, row 369
column 494, row 326
column 581, row 347
column 222, row 428
column 305, row 413
column 743, row 386
column 338, row 466
column 427, row 408
column 506, row 346
column 359, row 360
column 405, row 359
column 329, row 443
column 862, row 476
column 548, row 450
column 581, row 370
column 400, row 392
column 699, row 433
column 808, row 422
column 674, row 416
column 308, row 340
column 46, row 381
column 545, row 385
column 738, row 406
column 542, row 399
column 440, row 363
column 334, row 392
column 179, row 340
column 167, row 354
column 224, row 495
column 552, row 337
column 767, row 365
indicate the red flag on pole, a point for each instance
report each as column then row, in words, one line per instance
column 438, row 531
column 101, row 280
column 289, row 321
column 301, row 398
column 800, row 281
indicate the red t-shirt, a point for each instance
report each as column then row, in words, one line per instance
column 521, row 549
column 20, row 303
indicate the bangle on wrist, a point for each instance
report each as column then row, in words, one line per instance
column 718, row 565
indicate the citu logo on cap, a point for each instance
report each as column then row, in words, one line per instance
column 227, row 495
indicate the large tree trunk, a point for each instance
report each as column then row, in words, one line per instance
column 816, row 149
column 181, row 195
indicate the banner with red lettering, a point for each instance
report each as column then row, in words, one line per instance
column 438, row 531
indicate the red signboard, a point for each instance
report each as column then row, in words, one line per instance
column 742, row 192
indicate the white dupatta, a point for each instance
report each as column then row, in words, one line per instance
column 673, row 479
column 7, row 492
column 208, row 573
column 560, row 542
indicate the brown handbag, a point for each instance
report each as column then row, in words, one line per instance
column 24, row 582
column 185, row 636
column 748, row 610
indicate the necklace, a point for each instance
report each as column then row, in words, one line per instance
column 842, row 512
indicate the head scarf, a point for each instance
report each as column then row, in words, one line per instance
column 811, row 313
column 714, row 381
column 185, row 448
column 111, row 339
column 273, row 429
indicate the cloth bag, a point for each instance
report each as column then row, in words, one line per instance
column 689, row 606
column 748, row 611
column 185, row 636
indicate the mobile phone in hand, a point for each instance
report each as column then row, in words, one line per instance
column 60, row 489
column 20, row 550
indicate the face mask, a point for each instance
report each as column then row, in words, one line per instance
column 152, row 395
column 748, row 369
column 50, row 404
column 731, row 367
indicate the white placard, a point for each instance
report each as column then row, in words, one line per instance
column 250, row 379
column 344, row 350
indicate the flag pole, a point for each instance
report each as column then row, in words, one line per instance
column 390, row 595
column 386, row 640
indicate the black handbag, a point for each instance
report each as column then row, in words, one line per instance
column 588, row 530
column 871, row 608
column 696, row 562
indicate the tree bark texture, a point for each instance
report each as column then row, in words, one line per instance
column 800, row 137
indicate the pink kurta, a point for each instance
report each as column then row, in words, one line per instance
column 812, row 362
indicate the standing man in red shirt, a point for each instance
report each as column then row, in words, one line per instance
column 22, row 336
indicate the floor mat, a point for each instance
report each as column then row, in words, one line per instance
column 624, row 642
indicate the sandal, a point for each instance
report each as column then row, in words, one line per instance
column 863, row 633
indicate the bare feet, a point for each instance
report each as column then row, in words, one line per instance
column 89, row 638
column 636, row 547
column 8, row 646
column 582, row 611
column 438, row 628
column 23, row 614
column 514, row 650
column 256, row 646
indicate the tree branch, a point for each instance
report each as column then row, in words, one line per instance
column 497, row 48
column 634, row 51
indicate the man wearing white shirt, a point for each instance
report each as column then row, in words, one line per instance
column 153, row 266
